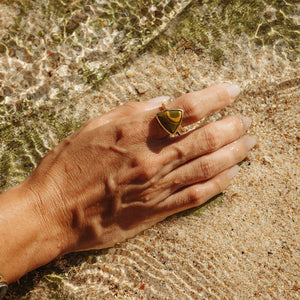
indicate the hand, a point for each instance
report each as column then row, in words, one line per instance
column 118, row 175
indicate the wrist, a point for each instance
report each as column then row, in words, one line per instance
column 25, row 243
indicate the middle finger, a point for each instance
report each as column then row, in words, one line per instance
column 204, row 140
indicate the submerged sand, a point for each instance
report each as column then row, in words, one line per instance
column 244, row 246
column 247, row 247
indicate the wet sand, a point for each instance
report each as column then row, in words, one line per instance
column 245, row 245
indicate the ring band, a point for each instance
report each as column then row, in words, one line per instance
column 3, row 286
column 170, row 120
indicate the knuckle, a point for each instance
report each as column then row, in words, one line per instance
column 145, row 169
column 145, row 174
column 218, row 186
column 237, row 125
column 193, row 196
column 207, row 167
column 120, row 132
column 189, row 109
column 179, row 152
column 123, row 130
column 211, row 139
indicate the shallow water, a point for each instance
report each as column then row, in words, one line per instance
column 52, row 52
column 63, row 62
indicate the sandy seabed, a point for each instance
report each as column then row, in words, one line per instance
column 247, row 247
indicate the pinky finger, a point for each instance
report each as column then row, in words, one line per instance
column 197, row 194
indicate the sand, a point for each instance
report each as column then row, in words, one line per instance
column 245, row 245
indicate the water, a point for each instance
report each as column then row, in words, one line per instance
column 62, row 62
column 53, row 52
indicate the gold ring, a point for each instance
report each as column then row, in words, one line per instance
column 170, row 120
column 3, row 286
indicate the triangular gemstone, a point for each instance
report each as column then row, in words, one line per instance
column 170, row 119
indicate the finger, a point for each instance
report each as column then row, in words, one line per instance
column 200, row 104
column 196, row 194
column 206, row 139
column 197, row 105
column 209, row 165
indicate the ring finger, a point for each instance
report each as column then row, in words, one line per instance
column 197, row 105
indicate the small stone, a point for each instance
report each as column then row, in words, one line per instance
column 141, row 88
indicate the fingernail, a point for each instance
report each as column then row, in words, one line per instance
column 251, row 142
column 160, row 99
column 233, row 90
column 233, row 171
column 246, row 121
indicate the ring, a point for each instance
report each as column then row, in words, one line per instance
column 3, row 286
column 170, row 120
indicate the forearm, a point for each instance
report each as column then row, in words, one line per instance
column 24, row 244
